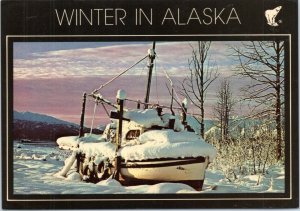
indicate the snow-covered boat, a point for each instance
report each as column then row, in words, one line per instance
column 141, row 146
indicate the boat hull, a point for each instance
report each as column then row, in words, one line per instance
column 190, row 171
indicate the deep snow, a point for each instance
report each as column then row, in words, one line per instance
column 35, row 167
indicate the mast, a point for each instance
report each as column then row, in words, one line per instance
column 151, row 54
column 81, row 132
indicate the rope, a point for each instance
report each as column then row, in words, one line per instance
column 156, row 87
column 92, row 125
column 105, row 109
column 161, row 106
column 114, row 78
column 151, row 104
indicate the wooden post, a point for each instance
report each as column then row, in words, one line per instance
column 138, row 104
column 81, row 134
column 121, row 96
column 172, row 123
column 184, row 110
column 159, row 111
column 150, row 65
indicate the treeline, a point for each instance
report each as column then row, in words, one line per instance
column 40, row 131
column 262, row 65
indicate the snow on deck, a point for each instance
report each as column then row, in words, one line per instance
column 152, row 144
column 145, row 118
column 74, row 141
column 168, row 144
column 102, row 149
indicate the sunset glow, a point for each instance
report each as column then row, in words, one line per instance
column 50, row 78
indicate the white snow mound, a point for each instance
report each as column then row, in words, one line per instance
column 177, row 126
column 73, row 141
column 168, row 144
column 101, row 149
column 154, row 144
column 68, row 141
column 146, row 118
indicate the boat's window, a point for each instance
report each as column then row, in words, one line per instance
column 132, row 134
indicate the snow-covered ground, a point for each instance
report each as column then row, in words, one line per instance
column 35, row 167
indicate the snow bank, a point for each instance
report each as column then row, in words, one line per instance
column 39, row 177
column 168, row 144
column 169, row 188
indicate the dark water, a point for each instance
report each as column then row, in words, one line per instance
column 38, row 143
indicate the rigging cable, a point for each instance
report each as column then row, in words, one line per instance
column 105, row 109
column 156, row 87
column 114, row 78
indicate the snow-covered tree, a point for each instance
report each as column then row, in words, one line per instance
column 201, row 75
column 223, row 108
column 263, row 63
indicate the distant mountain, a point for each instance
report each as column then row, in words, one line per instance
column 34, row 126
column 195, row 124
column 29, row 116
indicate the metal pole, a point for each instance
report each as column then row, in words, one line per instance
column 81, row 134
column 121, row 96
column 151, row 56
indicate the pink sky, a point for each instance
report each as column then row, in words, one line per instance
column 52, row 81
column 62, row 97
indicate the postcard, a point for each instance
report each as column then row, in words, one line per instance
column 149, row 104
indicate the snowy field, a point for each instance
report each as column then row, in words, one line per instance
column 35, row 167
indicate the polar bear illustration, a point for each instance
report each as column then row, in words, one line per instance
column 271, row 15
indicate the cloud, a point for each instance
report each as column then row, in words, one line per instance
column 111, row 60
